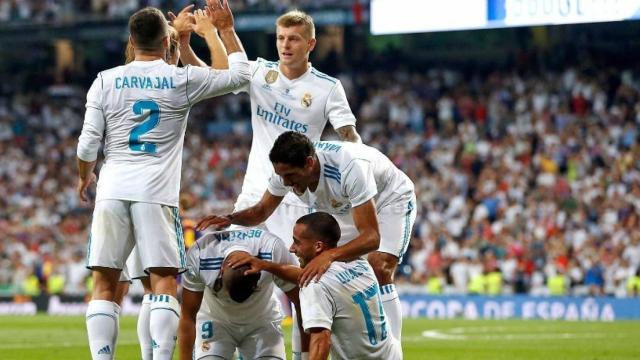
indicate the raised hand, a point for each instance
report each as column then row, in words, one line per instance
column 220, row 14
column 203, row 24
column 184, row 21
column 219, row 222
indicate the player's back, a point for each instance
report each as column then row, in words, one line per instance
column 339, row 158
column 145, row 105
column 145, row 108
column 208, row 255
column 359, row 329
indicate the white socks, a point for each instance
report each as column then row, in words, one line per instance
column 102, row 328
column 144, row 334
column 163, row 324
column 392, row 308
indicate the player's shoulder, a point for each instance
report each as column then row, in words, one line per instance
column 114, row 71
column 264, row 63
column 344, row 272
column 261, row 67
column 205, row 242
column 315, row 288
column 270, row 240
column 323, row 79
column 329, row 147
column 337, row 153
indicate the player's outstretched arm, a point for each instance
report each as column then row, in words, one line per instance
column 368, row 240
column 349, row 133
column 191, row 301
column 319, row 343
column 205, row 29
column 184, row 23
column 251, row 216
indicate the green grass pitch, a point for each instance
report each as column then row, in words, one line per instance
column 48, row 337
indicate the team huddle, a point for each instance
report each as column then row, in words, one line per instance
column 325, row 221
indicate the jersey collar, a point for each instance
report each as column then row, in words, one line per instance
column 299, row 78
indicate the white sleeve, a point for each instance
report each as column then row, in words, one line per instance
column 191, row 278
column 337, row 109
column 359, row 182
column 317, row 307
column 94, row 124
column 205, row 82
column 281, row 255
column 276, row 186
column 253, row 68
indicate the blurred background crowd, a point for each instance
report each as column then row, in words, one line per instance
column 527, row 175
column 61, row 11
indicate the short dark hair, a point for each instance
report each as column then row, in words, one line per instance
column 291, row 148
column 148, row 27
column 323, row 227
column 239, row 285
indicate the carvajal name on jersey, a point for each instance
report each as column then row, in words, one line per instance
column 280, row 120
column 144, row 82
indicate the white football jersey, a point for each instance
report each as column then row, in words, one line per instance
column 350, row 175
column 144, row 107
column 347, row 301
column 204, row 260
column 279, row 105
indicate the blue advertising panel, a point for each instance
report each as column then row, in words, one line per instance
column 520, row 307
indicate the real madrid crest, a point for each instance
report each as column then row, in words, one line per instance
column 306, row 100
column 206, row 346
column 271, row 76
column 335, row 203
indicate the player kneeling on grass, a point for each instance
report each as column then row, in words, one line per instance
column 342, row 311
column 238, row 311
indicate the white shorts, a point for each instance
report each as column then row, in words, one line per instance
column 395, row 222
column 119, row 225
column 260, row 340
column 133, row 268
column 281, row 222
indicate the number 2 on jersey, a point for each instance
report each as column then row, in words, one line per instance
column 361, row 298
column 154, row 119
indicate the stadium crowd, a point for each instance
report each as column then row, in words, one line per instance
column 64, row 11
column 525, row 183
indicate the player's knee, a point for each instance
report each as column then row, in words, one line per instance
column 105, row 283
column 163, row 272
column 384, row 266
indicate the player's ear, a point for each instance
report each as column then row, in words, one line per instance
column 308, row 162
column 312, row 44
column 166, row 42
